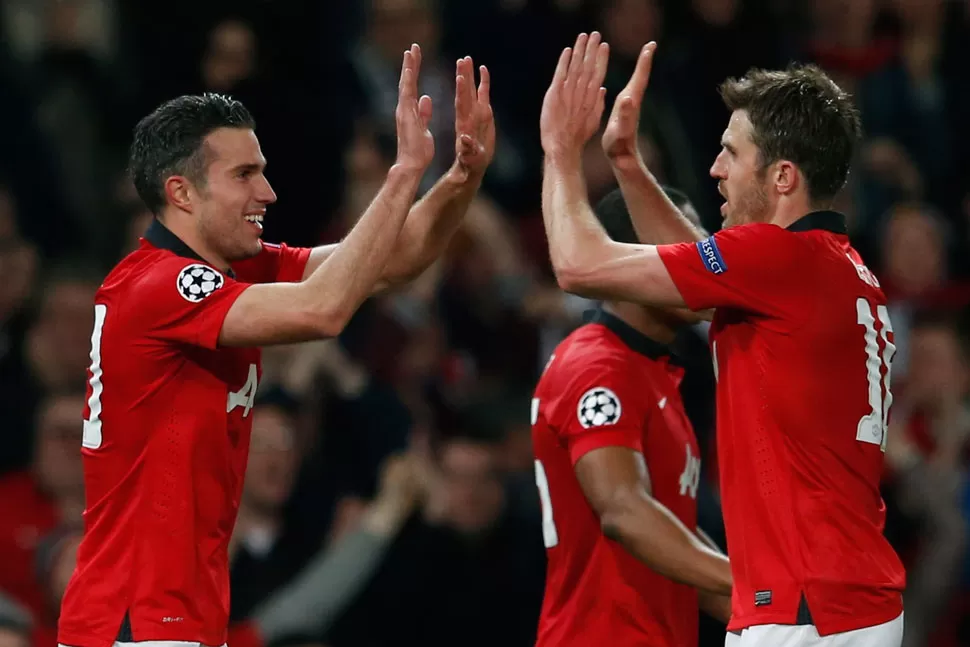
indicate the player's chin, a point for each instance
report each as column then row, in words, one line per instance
column 245, row 249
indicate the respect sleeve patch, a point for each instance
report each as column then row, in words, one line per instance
column 711, row 256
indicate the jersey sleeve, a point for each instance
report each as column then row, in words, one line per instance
column 184, row 301
column 274, row 264
column 599, row 407
column 750, row 267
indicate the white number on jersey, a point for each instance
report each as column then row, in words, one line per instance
column 245, row 396
column 872, row 427
column 690, row 478
column 550, row 537
column 91, row 436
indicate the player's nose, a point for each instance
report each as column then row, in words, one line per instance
column 718, row 168
column 265, row 193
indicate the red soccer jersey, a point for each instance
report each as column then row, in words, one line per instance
column 802, row 346
column 608, row 385
column 166, row 439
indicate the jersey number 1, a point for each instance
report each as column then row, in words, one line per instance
column 872, row 427
column 91, row 435
column 550, row 536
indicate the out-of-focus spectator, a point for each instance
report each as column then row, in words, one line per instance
column 928, row 455
column 230, row 56
column 14, row 624
column 915, row 250
column 913, row 109
column 392, row 26
column 450, row 575
column 267, row 550
column 36, row 500
column 18, row 264
column 58, row 342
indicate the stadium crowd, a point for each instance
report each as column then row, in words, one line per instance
column 390, row 496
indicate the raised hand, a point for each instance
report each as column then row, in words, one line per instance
column 474, row 120
column 620, row 137
column 415, row 145
column 573, row 105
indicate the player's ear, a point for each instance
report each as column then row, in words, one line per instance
column 786, row 176
column 179, row 192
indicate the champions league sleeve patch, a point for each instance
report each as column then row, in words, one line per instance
column 711, row 256
column 197, row 281
column 598, row 407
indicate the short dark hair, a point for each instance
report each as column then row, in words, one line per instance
column 169, row 141
column 801, row 115
column 614, row 215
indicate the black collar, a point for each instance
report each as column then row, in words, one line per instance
column 162, row 237
column 629, row 335
column 831, row 221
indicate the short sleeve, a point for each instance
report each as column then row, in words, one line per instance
column 749, row 267
column 182, row 300
column 274, row 264
column 599, row 407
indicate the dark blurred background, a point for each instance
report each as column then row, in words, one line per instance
column 412, row 431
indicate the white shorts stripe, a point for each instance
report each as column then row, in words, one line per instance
column 155, row 643
column 888, row 634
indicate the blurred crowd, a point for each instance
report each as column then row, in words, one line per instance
column 390, row 496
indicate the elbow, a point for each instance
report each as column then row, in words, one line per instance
column 612, row 526
column 329, row 323
column 616, row 512
column 571, row 277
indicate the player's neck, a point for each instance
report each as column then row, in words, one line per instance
column 790, row 210
column 643, row 320
column 189, row 234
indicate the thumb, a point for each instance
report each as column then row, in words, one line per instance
column 424, row 110
column 628, row 113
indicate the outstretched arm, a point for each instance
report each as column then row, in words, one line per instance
column 321, row 305
column 434, row 218
column 654, row 216
column 583, row 257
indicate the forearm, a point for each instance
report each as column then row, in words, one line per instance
column 576, row 239
column 331, row 581
column 348, row 274
column 652, row 534
column 655, row 218
column 715, row 605
column 429, row 226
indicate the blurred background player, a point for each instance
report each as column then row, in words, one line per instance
column 618, row 467
column 800, row 319
column 175, row 362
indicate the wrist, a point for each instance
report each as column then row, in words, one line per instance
column 565, row 159
column 626, row 163
column 406, row 171
column 460, row 176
